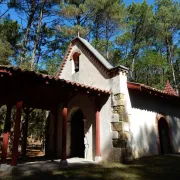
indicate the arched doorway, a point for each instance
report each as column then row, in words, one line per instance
column 164, row 136
column 77, row 134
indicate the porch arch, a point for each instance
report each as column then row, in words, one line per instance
column 76, row 134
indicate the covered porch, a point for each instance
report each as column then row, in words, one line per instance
column 26, row 89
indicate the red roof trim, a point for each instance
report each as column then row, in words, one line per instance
column 64, row 59
column 149, row 89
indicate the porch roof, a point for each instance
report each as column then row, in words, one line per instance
column 143, row 89
column 39, row 90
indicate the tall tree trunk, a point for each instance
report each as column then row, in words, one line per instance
column 172, row 67
column 96, row 30
column 147, row 76
column 107, row 40
column 30, row 20
column 25, row 132
column 37, row 35
column 133, row 63
column 134, row 53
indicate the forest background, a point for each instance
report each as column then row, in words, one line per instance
column 143, row 36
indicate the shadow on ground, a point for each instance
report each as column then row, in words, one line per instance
column 147, row 168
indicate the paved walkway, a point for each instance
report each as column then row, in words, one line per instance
column 48, row 165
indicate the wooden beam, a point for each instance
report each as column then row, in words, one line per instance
column 64, row 133
column 16, row 133
column 7, row 128
column 55, row 113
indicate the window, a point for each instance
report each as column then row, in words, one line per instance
column 75, row 58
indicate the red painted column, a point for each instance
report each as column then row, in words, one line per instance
column 98, row 151
column 5, row 147
column 55, row 131
column 64, row 133
column 16, row 133
column 25, row 132
column 7, row 128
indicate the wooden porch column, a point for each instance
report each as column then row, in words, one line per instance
column 98, row 147
column 25, row 131
column 16, row 133
column 98, row 152
column 7, row 128
column 55, row 113
column 64, row 133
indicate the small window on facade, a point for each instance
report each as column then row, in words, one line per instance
column 76, row 64
column 76, row 61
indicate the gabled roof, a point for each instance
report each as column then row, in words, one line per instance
column 169, row 89
column 95, row 53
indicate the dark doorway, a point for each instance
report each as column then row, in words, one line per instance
column 77, row 135
column 164, row 136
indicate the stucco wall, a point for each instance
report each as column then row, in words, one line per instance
column 143, row 123
column 106, row 134
column 89, row 73
column 143, row 133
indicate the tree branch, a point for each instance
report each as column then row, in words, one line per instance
column 4, row 12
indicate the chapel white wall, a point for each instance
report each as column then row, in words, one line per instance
column 143, row 124
column 143, row 133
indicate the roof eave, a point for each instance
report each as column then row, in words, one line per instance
column 120, row 67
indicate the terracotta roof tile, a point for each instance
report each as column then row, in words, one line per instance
column 169, row 89
column 151, row 90
column 11, row 69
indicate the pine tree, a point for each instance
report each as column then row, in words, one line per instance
column 167, row 16
column 138, row 31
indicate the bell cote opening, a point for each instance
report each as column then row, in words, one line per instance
column 75, row 62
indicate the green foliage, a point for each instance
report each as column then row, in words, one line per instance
column 10, row 30
column 138, row 29
column 37, row 122
column 2, row 118
column 5, row 52
column 52, row 65
column 74, row 13
column 151, row 69
column 9, row 35
column 167, row 19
